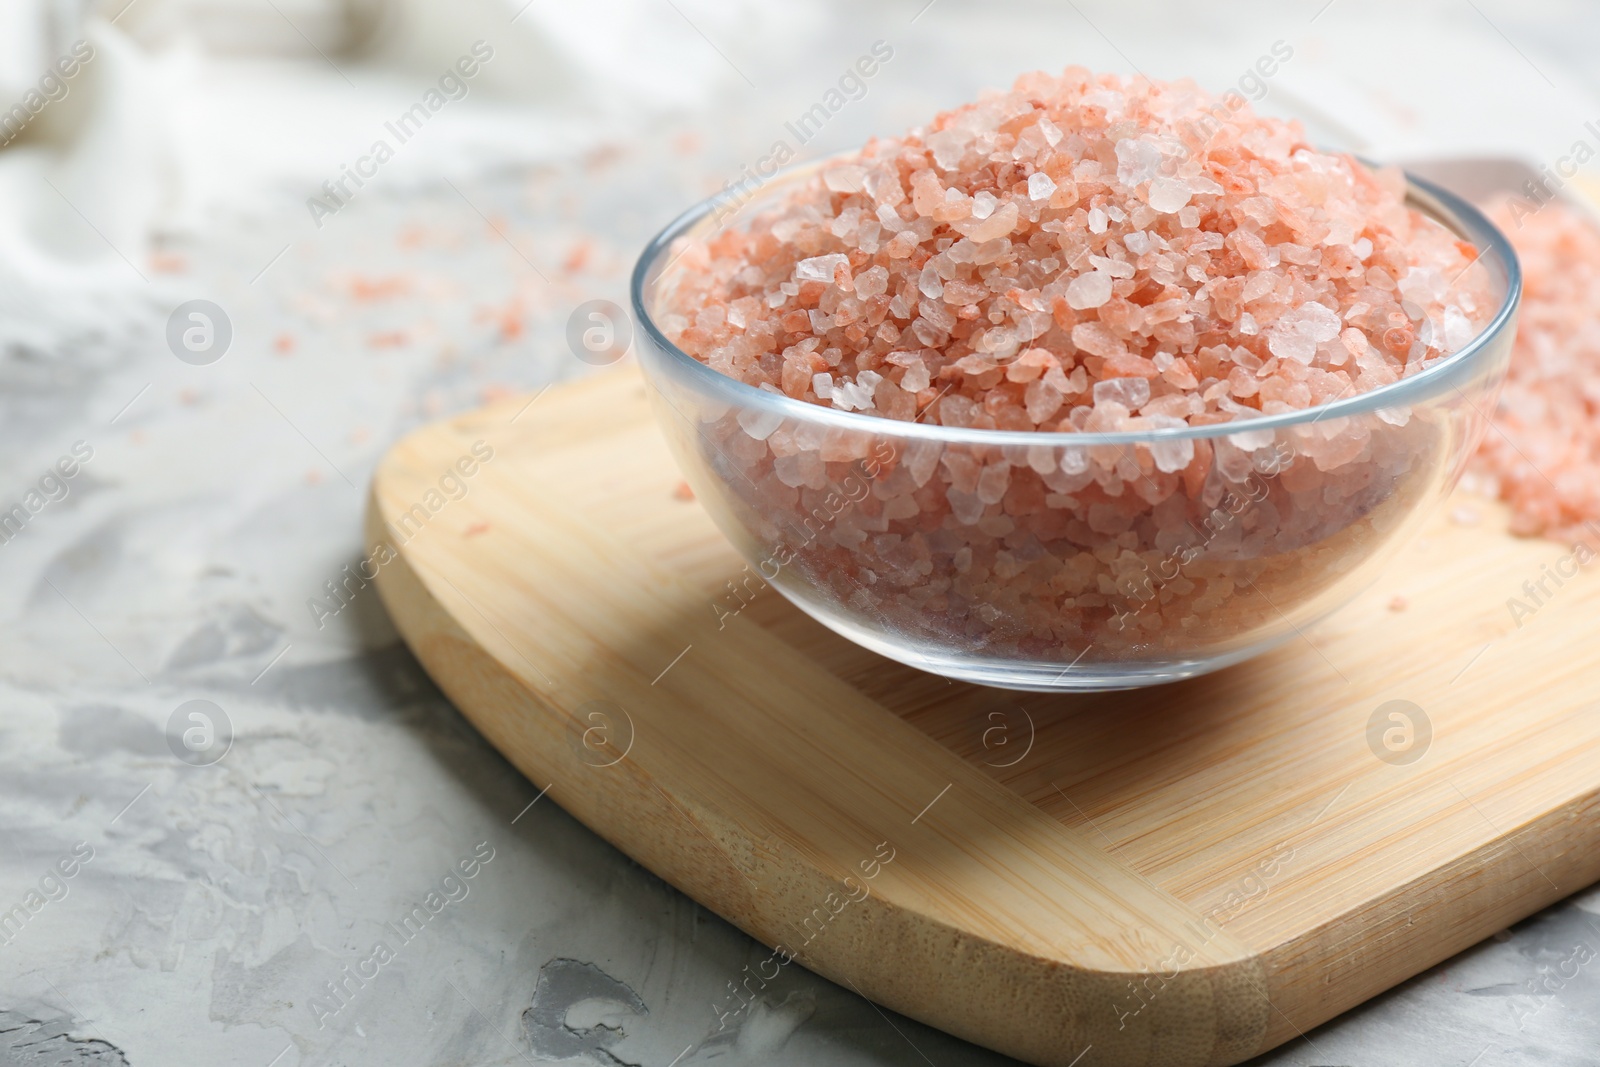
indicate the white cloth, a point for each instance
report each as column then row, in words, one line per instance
column 173, row 120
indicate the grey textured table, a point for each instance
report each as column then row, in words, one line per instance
column 228, row 913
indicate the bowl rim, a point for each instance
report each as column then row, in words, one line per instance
column 1454, row 212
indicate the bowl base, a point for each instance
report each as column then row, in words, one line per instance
column 1035, row 676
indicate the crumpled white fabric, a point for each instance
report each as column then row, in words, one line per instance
column 194, row 107
column 79, row 189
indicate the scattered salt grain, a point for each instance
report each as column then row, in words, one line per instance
column 1543, row 457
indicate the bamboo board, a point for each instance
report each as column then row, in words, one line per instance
column 1188, row 874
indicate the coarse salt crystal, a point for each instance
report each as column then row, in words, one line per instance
column 1117, row 268
column 856, row 395
column 965, row 507
column 1138, row 161
column 1251, row 440
column 948, row 148
column 1040, row 187
column 1089, row 290
column 820, row 268
column 1458, row 329
column 1422, row 285
column 997, row 225
column 1073, row 461
column 993, row 482
column 1320, row 322
column 759, row 423
column 916, row 378
column 1170, row 456
column 1298, row 333
column 844, row 178
column 874, row 281
column 1167, row 195
column 1131, row 393
column 1112, row 101
column 1291, row 342
column 1394, row 416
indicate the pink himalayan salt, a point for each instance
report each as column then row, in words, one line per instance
column 1543, row 455
column 1285, row 278
column 1133, row 229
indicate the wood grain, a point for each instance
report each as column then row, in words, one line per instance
column 1189, row 874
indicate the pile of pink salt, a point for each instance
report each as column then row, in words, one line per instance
column 1544, row 452
column 1082, row 253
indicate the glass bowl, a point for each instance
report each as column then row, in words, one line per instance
column 1068, row 561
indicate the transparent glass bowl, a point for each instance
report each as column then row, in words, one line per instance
column 1069, row 561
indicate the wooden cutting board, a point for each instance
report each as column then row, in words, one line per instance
column 1188, row 874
